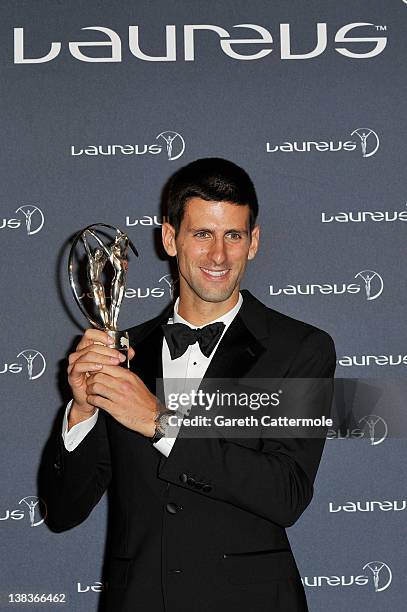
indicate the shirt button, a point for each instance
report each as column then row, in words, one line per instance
column 173, row 508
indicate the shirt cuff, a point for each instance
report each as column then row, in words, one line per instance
column 77, row 433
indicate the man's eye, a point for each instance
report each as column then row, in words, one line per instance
column 234, row 235
column 201, row 234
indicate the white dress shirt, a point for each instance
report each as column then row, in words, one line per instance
column 191, row 366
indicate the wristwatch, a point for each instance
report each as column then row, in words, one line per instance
column 161, row 424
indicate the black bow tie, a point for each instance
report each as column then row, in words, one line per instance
column 179, row 336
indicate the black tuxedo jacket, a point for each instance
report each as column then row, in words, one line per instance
column 204, row 529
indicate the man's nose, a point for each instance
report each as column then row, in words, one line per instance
column 217, row 253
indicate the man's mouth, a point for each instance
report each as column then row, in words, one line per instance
column 214, row 273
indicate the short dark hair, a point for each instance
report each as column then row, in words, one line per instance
column 212, row 179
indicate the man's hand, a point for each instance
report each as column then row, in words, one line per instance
column 123, row 395
column 91, row 354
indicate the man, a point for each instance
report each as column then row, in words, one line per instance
column 196, row 523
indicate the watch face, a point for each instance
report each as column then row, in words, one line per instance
column 163, row 420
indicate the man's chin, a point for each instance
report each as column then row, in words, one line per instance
column 215, row 294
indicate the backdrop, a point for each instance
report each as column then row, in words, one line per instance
column 101, row 102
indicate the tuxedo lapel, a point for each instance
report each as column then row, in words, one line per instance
column 241, row 344
column 237, row 351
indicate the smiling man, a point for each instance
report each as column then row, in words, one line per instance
column 197, row 524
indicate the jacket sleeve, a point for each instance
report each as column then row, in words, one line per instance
column 72, row 482
column 275, row 481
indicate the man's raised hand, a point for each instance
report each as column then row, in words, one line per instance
column 91, row 354
column 125, row 397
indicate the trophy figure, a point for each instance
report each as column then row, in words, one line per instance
column 120, row 263
column 114, row 251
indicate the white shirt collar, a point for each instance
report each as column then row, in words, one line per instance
column 226, row 318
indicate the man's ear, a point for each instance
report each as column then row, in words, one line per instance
column 168, row 238
column 254, row 243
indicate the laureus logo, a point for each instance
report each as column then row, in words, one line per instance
column 30, row 216
column 34, row 218
column 375, row 427
column 37, row 510
column 30, row 360
column 382, row 575
column 35, row 361
column 175, row 144
column 380, row 572
column 171, row 143
column 371, row 427
column 396, row 360
column 179, row 42
column 366, row 138
column 369, row 141
column 364, row 216
column 373, row 283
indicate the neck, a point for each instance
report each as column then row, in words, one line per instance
column 198, row 312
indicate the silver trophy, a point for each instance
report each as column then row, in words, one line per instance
column 103, row 243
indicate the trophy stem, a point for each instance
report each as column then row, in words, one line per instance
column 121, row 344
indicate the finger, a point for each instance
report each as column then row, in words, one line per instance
column 119, row 386
column 77, row 370
column 105, row 379
column 123, row 373
column 100, row 348
column 100, row 402
column 131, row 353
column 94, row 359
column 92, row 335
column 103, row 354
column 116, row 386
column 91, row 361
column 98, row 388
column 85, row 368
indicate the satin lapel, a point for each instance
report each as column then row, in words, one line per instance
column 238, row 350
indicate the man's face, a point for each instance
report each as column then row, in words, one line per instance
column 212, row 248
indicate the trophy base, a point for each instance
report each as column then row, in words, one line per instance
column 121, row 344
